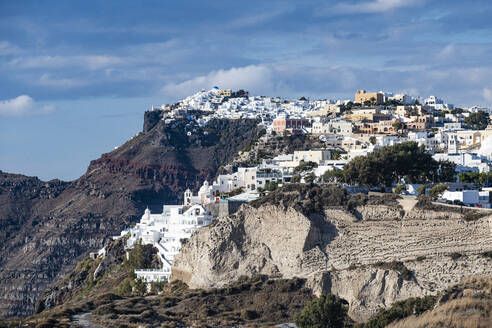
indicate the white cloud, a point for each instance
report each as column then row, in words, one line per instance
column 376, row 6
column 254, row 78
column 23, row 105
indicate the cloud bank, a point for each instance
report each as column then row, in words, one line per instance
column 256, row 78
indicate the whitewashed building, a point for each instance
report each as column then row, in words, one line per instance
column 167, row 232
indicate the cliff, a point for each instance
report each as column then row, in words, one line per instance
column 47, row 227
column 371, row 251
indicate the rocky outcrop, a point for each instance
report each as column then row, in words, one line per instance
column 85, row 272
column 352, row 253
column 47, row 227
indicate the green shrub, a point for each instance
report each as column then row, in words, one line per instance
column 140, row 257
column 436, row 191
column 400, row 310
column 421, row 190
column 400, row 188
column 327, row 311
column 125, row 287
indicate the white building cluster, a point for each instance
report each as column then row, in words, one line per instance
column 167, row 232
column 344, row 134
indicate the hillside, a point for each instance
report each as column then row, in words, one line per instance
column 371, row 251
column 98, row 291
column 47, row 227
column 467, row 304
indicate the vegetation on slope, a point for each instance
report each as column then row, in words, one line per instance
column 255, row 300
column 400, row 310
column 327, row 311
column 465, row 305
column 391, row 164
column 305, row 198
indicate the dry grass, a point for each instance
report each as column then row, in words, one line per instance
column 466, row 305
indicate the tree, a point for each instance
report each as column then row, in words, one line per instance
column 400, row 188
column 478, row 120
column 367, row 103
column 335, row 155
column 305, row 166
column 398, row 125
column 391, row 164
column 421, row 190
column 372, row 140
column 270, row 186
column 296, row 179
column 447, row 171
column 141, row 257
column 436, row 191
column 310, row 178
column 327, row 311
column 475, row 177
column 334, row 175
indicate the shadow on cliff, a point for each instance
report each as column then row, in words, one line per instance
column 321, row 233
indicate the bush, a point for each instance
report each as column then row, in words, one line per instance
column 400, row 188
column 436, row 191
column 270, row 186
column 400, row 310
column 327, row 311
column 305, row 166
column 421, row 190
column 125, row 288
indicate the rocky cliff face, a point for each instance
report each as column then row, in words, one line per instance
column 371, row 253
column 46, row 227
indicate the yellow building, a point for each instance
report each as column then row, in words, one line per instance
column 224, row 93
column 361, row 96
column 367, row 114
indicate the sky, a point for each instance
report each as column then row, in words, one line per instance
column 77, row 76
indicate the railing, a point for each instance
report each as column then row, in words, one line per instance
column 153, row 270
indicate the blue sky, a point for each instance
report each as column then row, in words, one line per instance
column 76, row 76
